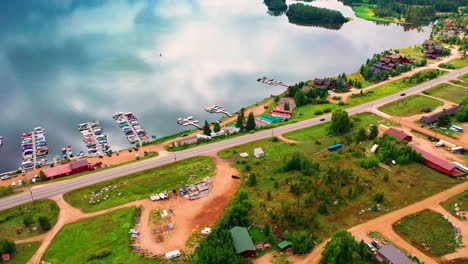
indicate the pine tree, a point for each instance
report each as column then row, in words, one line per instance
column 206, row 129
column 217, row 127
column 240, row 119
column 374, row 132
column 250, row 122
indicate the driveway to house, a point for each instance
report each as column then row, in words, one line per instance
column 56, row 188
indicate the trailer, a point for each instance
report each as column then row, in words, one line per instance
column 460, row 166
column 374, row 148
column 173, row 254
column 334, row 147
column 457, row 150
column 456, row 128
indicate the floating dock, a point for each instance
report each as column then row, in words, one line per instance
column 188, row 122
column 217, row 109
column 94, row 138
column 274, row 82
column 131, row 128
column 35, row 149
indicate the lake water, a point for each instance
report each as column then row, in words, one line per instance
column 64, row 62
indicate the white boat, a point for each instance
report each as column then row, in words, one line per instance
column 1, row 141
column 190, row 118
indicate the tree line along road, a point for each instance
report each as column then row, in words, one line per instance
column 52, row 189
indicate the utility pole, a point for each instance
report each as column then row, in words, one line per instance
column 175, row 156
column 30, row 192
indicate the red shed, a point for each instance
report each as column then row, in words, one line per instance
column 58, row 171
column 6, row 256
column 436, row 163
column 79, row 166
column 399, row 135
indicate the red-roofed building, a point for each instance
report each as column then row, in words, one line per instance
column 434, row 162
column 79, row 166
column 58, row 171
column 399, row 135
column 6, row 256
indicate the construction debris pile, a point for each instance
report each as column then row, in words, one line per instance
column 200, row 189
column 94, row 197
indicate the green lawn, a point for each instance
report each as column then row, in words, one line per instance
column 321, row 131
column 79, row 242
column 12, row 218
column 459, row 63
column 464, row 77
column 141, row 184
column 358, row 77
column 448, row 92
column 461, row 200
column 429, row 228
column 24, row 252
column 366, row 12
column 415, row 52
column 459, row 82
column 308, row 111
column 385, row 90
column 296, row 212
column 257, row 235
column 411, row 105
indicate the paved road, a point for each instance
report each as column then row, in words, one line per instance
column 52, row 189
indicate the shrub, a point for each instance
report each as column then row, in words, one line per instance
column 6, row 190
column 318, row 112
column 7, row 246
column 379, row 197
column 275, row 139
column 368, row 163
column 327, row 110
column 44, row 222
column 28, row 220
column 341, row 103
column 100, row 254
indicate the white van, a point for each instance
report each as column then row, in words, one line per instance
column 173, row 254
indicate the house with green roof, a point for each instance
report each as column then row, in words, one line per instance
column 284, row 244
column 242, row 242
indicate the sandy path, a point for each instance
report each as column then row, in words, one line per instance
column 188, row 215
column 383, row 224
column 433, row 65
column 286, row 140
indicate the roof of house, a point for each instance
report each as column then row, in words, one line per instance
column 79, row 163
column 433, row 118
column 58, row 170
column 399, row 135
column 394, row 255
column 241, row 238
column 434, row 159
column 258, row 151
column 285, row 243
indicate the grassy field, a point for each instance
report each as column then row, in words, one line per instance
column 294, row 212
column 24, row 252
column 415, row 52
column 409, row 106
column 459, row 63
column 308, row 111
column 429, row 228
column 459, row 82
column 461, row 200
column 321, row 131
column 12, row 218
column 366, row 12
column 140, row 185
column 102, row 234
column 464, row 77
column 448, row 92
column 358, row 77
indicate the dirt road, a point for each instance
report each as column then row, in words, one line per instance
column 384, row 223
column 188, row 215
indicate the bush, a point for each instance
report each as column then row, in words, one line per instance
column 44, row 222
column 318, row 112
column 305, row 165
column 6, row 190
column 379, row 197
column 369, row 163
column 341, row 103
column 100, row 254
column 28, row 220
column 327, row 110
column 301, row 243
column 7, row 246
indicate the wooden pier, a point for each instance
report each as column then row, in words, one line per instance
column 217, row 109
column 94, row 138
column 188, row 122
column 273, row 82
column 35, row 149
column 128, row 122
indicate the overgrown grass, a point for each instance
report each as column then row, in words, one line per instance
column 358, row 77
column 366, row 12
column 459, row 63
column 13, row 218
column 321, row 131
column 386, row 89
column 459, row 82
column 85, row 240
column 464, row 77
column 411, row 105
column 428, row 231
column 406, row 185
column 141, row 184
column 415, row 52
column 461, row 200
column 448, row 92
column 24, row 252
column 308, row 111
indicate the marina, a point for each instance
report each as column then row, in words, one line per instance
column 273, row 82
column 35, row 150
column 217, row 109
column 94, row 138
column 188, row 122
column 130, row 127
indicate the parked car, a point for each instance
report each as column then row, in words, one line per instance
column 402, row 94
column 6, row 177
column 322, row 119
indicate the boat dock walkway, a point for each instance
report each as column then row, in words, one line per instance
column 217, row 109
column 130, row 127
column 94, row 138
column 188, row 121
column 274, row 82
column 35, row 149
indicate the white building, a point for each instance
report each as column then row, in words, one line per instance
column 258, row 152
